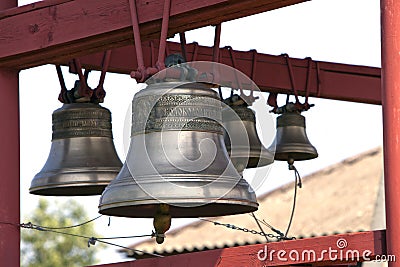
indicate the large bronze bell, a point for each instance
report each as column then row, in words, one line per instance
column 291, row 141
column 245, row 151
column 82, row 159
column 177, row 157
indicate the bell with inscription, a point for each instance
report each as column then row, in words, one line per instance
column 177, row 164
column 245, row 150
column 82, row 159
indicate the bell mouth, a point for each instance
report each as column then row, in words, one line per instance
column 147, row 210
column 256, row 162
column 253, row 158
column 189, row 196
column 73, row 181
column 298, row 156
column 73, row 190
column 289, row 152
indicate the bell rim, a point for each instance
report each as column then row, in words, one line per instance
column 303, row 153
column 183, row 177
column 147, row 208
column 44, row 182
column 263, row 156
column 188, row 192
column 69, row 189
column 297, row 156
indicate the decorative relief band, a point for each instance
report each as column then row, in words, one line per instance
column 213, row 113
column 73, row 114
column 243, row 112
column 182, row 100
column 81, row 121
column 188, row 125
column 189, row 112
column 83, row 132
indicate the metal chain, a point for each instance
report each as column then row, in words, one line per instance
column 91, row 240
column 234, row 227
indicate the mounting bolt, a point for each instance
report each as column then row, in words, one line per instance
column 33, row 28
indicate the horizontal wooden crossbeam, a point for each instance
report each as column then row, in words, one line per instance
column 55, row 31
column 62, row 29
column 344, row 249
column 327, row 80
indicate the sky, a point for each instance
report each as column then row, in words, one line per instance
column 342, row 31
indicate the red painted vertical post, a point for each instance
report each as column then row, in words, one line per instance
column 9, row 163
column 390, row 19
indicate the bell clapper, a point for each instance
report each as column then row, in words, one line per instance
column 161, row 222
column 291, row 167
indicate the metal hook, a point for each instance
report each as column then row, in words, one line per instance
column 99, row 93
column 62, row 97
column 163, row 36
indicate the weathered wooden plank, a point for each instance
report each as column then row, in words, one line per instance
column 29, row 7
column 331, row 250
column 32, row 36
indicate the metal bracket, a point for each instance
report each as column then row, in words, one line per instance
column 248, row 98
column 272, row 99
column 81, row 91
column 143, row 72
column 99, row 93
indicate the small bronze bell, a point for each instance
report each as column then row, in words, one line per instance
column 245, row 150
column 82, row 159
column 177, row 157
column 291, row 142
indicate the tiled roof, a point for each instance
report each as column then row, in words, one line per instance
column 341, row 198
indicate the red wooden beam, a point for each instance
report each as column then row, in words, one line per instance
column 9, row 167
column 9, row 164
column 55, row 31
column 390, row 11
column 326, row 250
column 31, row 36
column 327, row 80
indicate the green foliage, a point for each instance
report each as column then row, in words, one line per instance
column 47, row 249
